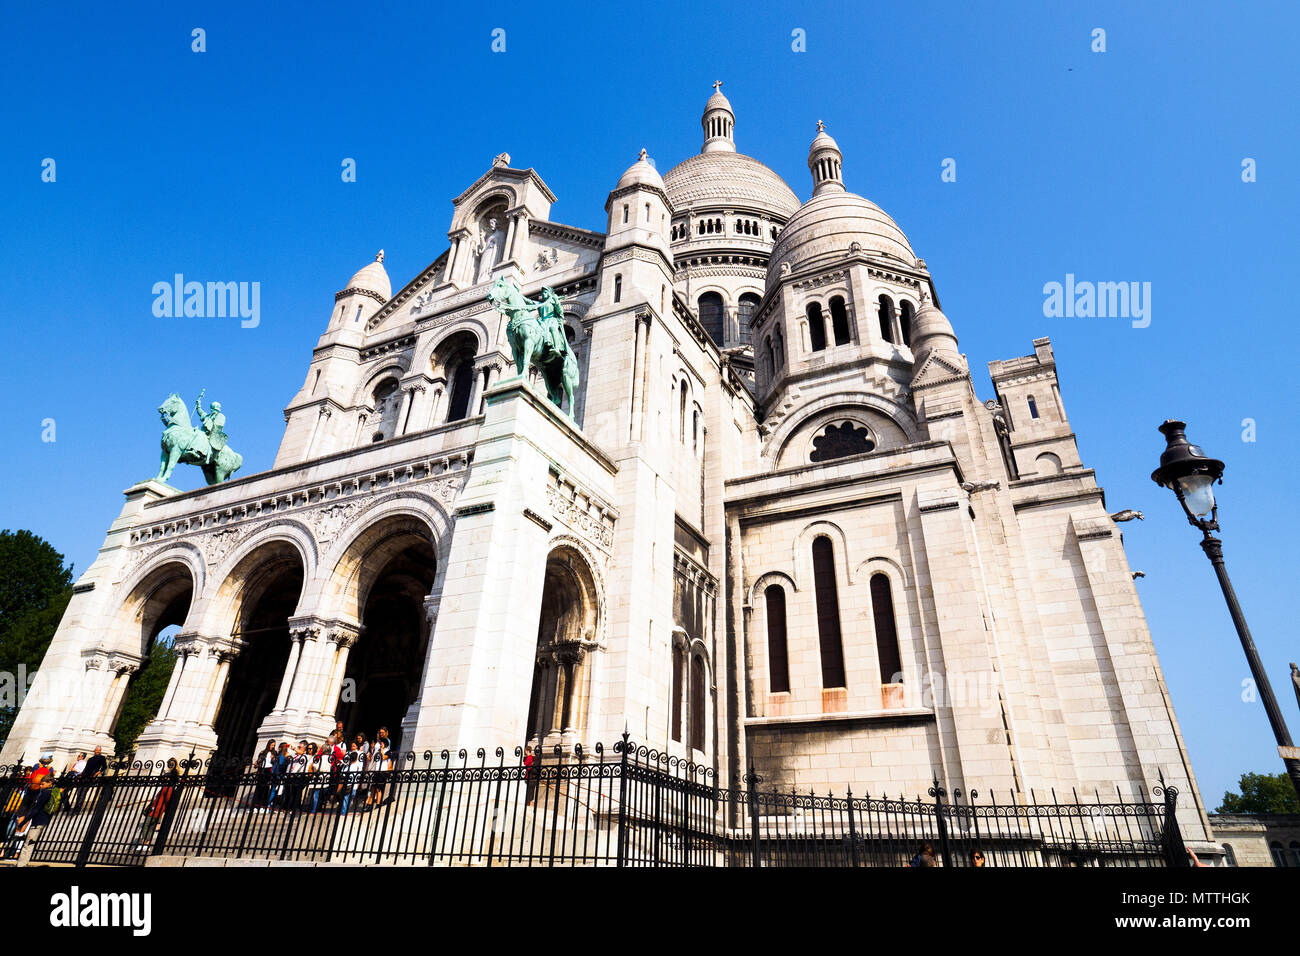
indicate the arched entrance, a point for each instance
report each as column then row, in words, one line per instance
column 158, row 607
column 391, row 569
column 271, row 588
column 566, row 632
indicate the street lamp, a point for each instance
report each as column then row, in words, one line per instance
column 1191, row 474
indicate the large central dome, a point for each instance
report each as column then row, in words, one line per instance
column 723, row 178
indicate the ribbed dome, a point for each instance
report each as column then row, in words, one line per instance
column 829, row 224
column 931, row 329
column 641, row 173
column 725, row 178
column 373, row 277
column 719, row 102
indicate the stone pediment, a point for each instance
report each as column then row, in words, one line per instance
column 937, row 370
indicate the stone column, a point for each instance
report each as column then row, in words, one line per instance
column 339, row 639
column 510, row 237
column 434, row 415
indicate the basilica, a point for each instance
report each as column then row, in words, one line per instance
column 776, row 526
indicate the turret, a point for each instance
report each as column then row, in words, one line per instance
column 367, row 290
column 719, row 122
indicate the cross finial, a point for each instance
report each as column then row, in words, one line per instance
column 380, row 257
column 821, row 127
column 717, row 86
column 642, row 157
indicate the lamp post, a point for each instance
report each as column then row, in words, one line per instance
column 1191, row 475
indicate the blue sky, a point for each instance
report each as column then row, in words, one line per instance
column 1115, row 166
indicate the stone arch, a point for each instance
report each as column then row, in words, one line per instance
column 893, row 423
column 382, row 581
column 803, row 552
column 569, row 627
column 250, row 615
column 1047, row 464
column 769, row 577
column 452, row 362
column 378, row 534
column 227, row 581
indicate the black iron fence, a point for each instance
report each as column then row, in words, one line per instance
column 626, row 806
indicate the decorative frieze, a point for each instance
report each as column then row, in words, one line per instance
column 325, row 508
column 580, row 510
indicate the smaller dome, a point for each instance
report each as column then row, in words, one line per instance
column 718, row 102
column 372, row 277
column 823, row 140
column 641, row 173
column 829, row 224
column 931, row 329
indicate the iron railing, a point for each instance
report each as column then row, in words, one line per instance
column 626, row 806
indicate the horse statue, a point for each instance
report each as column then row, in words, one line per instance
column 206, row 446
column 537, row 340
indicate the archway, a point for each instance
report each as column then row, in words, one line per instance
column 566, row 632
column 385, row 667
column 158, row 607
column 270, row 584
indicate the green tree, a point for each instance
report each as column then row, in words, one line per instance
column 35, row 587
column 1261, row 793
column 145, row 694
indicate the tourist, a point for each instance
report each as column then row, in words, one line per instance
column 279, row 767
column 157, row 808
column 42, row 770
column 977, row 857
column 530, row 775
column 380, row 764
column 296, row 764
column 924, row 856
column 353, row 767
column 322, row 769
column 75, row 767
column 34, row 814
column 265, row 768
column 96, row 764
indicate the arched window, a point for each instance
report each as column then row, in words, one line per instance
column 461, row 383
column 698, row 710
column 778, row 658
column 681, row 424
column 624, row 212
column 780, row 348
column 840, row 321
column 647, row 212
column 882, row 611
column 828, row 613
column 1279, row 853
column 1229, row 855
column 679, row 664
column 816, row 327
column 840, row 441
column 745, row 309
column 886, row 313
column 1048, row 464
column 383, row 392
column 710, row 304
column 695, row 430
column 770, row 365
column 357, row 317
column 618, row 288
column 774, row 233
column 905, row 323
column 1033, row 407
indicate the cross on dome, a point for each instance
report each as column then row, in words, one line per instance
column 717, row 85
column 380, row 257
column 643, row 154
column 821, row 127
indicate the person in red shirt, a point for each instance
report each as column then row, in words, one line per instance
column 41, row 770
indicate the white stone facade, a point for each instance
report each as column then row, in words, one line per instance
column 780, row 528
